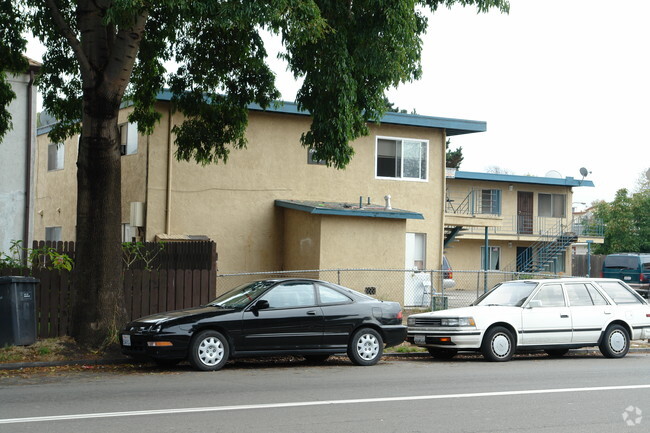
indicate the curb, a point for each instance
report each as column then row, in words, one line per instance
column 118, row 361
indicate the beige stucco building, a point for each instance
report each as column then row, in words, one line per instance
column 531, row 229
column 270, row 207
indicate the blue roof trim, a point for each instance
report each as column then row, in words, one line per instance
column 452, row 126
column 324, row 208
column 511, row 178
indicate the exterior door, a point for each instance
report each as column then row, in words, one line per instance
column 547, row 319
column 524, row 212
column 292, row 321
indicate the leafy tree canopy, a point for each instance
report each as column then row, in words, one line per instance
column 627, row 223
column 454, row 157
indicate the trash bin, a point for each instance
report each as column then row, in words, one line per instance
column 17, row 311
column 439, row 302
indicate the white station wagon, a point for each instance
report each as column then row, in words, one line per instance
column 553, row 315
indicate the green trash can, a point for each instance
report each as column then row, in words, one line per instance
column 439, row 302
column 17, row 311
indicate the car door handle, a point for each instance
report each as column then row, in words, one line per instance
column 564, row 316
column 311, row 313
column 607, row 312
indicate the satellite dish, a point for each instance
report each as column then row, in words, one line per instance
column 554, row 174
column 584, row 172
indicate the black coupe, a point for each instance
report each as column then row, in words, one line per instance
column 305, row 317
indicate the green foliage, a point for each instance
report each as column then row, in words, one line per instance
column 627, row 223
column 454, row 157
column 35, row 258
column 132, row 252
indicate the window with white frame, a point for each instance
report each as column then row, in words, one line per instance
column 551, row 205
column 491, row 201
column 311, row 160
column 53, row 234
column 55, row 156
column 128, row 138
column 127, row 233
column 494, row 258
column 402, row 158
column 416, row 251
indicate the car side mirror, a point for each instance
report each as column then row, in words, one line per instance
column 535, row 303
column 262, row 304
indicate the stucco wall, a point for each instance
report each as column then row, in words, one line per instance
column 302, row 240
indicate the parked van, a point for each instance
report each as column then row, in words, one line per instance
column 632, row 268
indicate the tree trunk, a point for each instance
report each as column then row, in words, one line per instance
column 99, row 311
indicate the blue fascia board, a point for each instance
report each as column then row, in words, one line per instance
column 355, row 212
column 451, row 126
column 511, row 178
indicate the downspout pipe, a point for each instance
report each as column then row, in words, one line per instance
column 28, row 159
column 168, row 195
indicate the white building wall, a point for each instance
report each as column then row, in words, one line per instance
column 13, row 165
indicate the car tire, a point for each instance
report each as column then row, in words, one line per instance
column 316, row 359
column 166, row 363
column 498, row 344
column 366, row 347
column 442, row 353
column 209, row 351
column 556, row 353
column 615, row 342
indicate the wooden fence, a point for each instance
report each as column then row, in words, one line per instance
column 581, row 265
column 145, row 292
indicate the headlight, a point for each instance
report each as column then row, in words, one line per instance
column 410, row 321
column 458, row 321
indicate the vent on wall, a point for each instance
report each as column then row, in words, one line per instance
column 137, row 214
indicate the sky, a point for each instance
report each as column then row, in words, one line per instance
column 562, row 84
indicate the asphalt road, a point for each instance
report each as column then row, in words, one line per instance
column 579, row 393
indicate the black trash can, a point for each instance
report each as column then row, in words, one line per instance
column 17, row 311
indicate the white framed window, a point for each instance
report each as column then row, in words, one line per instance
column 128, row 138
column 55, row 156
column 551, row 205
column 127, row 233
column 401, row 158
column 311, row 160
column 491, row 201
column 53, row 234
column 493, row 259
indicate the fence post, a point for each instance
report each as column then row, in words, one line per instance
column 338, row 276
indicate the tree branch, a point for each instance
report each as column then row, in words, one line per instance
column 125, row 50
column 87, row 72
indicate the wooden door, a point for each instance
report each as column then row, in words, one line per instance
column 524, row 212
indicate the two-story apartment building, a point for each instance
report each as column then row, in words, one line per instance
column 271, row 206
column 532, row 227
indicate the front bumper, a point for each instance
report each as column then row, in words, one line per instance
column 458, row 338
column 145, row 345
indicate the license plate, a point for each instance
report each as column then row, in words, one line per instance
column 126, row 340
column 419, row 339
column 627, row 278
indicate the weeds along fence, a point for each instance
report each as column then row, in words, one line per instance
column 422, row 290
column 161, row 287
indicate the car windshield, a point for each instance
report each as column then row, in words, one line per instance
column 508, row 294
column 241, row 296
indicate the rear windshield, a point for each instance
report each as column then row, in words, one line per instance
column 622, row 262
column 619, row 293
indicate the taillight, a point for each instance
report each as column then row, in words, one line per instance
column 399, row 315
column 642, row 278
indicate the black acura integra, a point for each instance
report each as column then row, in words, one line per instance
column 305, row 317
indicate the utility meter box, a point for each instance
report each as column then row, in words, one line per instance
column 17, row 311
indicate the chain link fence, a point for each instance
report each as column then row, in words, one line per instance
column 414, row 290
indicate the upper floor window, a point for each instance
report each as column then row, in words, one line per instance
column 55, row 156
column 551, row 205
column 402, row 158
column 491, row 201
column 311, row 160
column 128, row 138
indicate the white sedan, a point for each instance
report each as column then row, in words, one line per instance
column 553, row 315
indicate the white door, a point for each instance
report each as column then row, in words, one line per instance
column 417, row 285
column 549, row 319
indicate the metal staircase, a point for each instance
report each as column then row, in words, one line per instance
column 539, row 256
